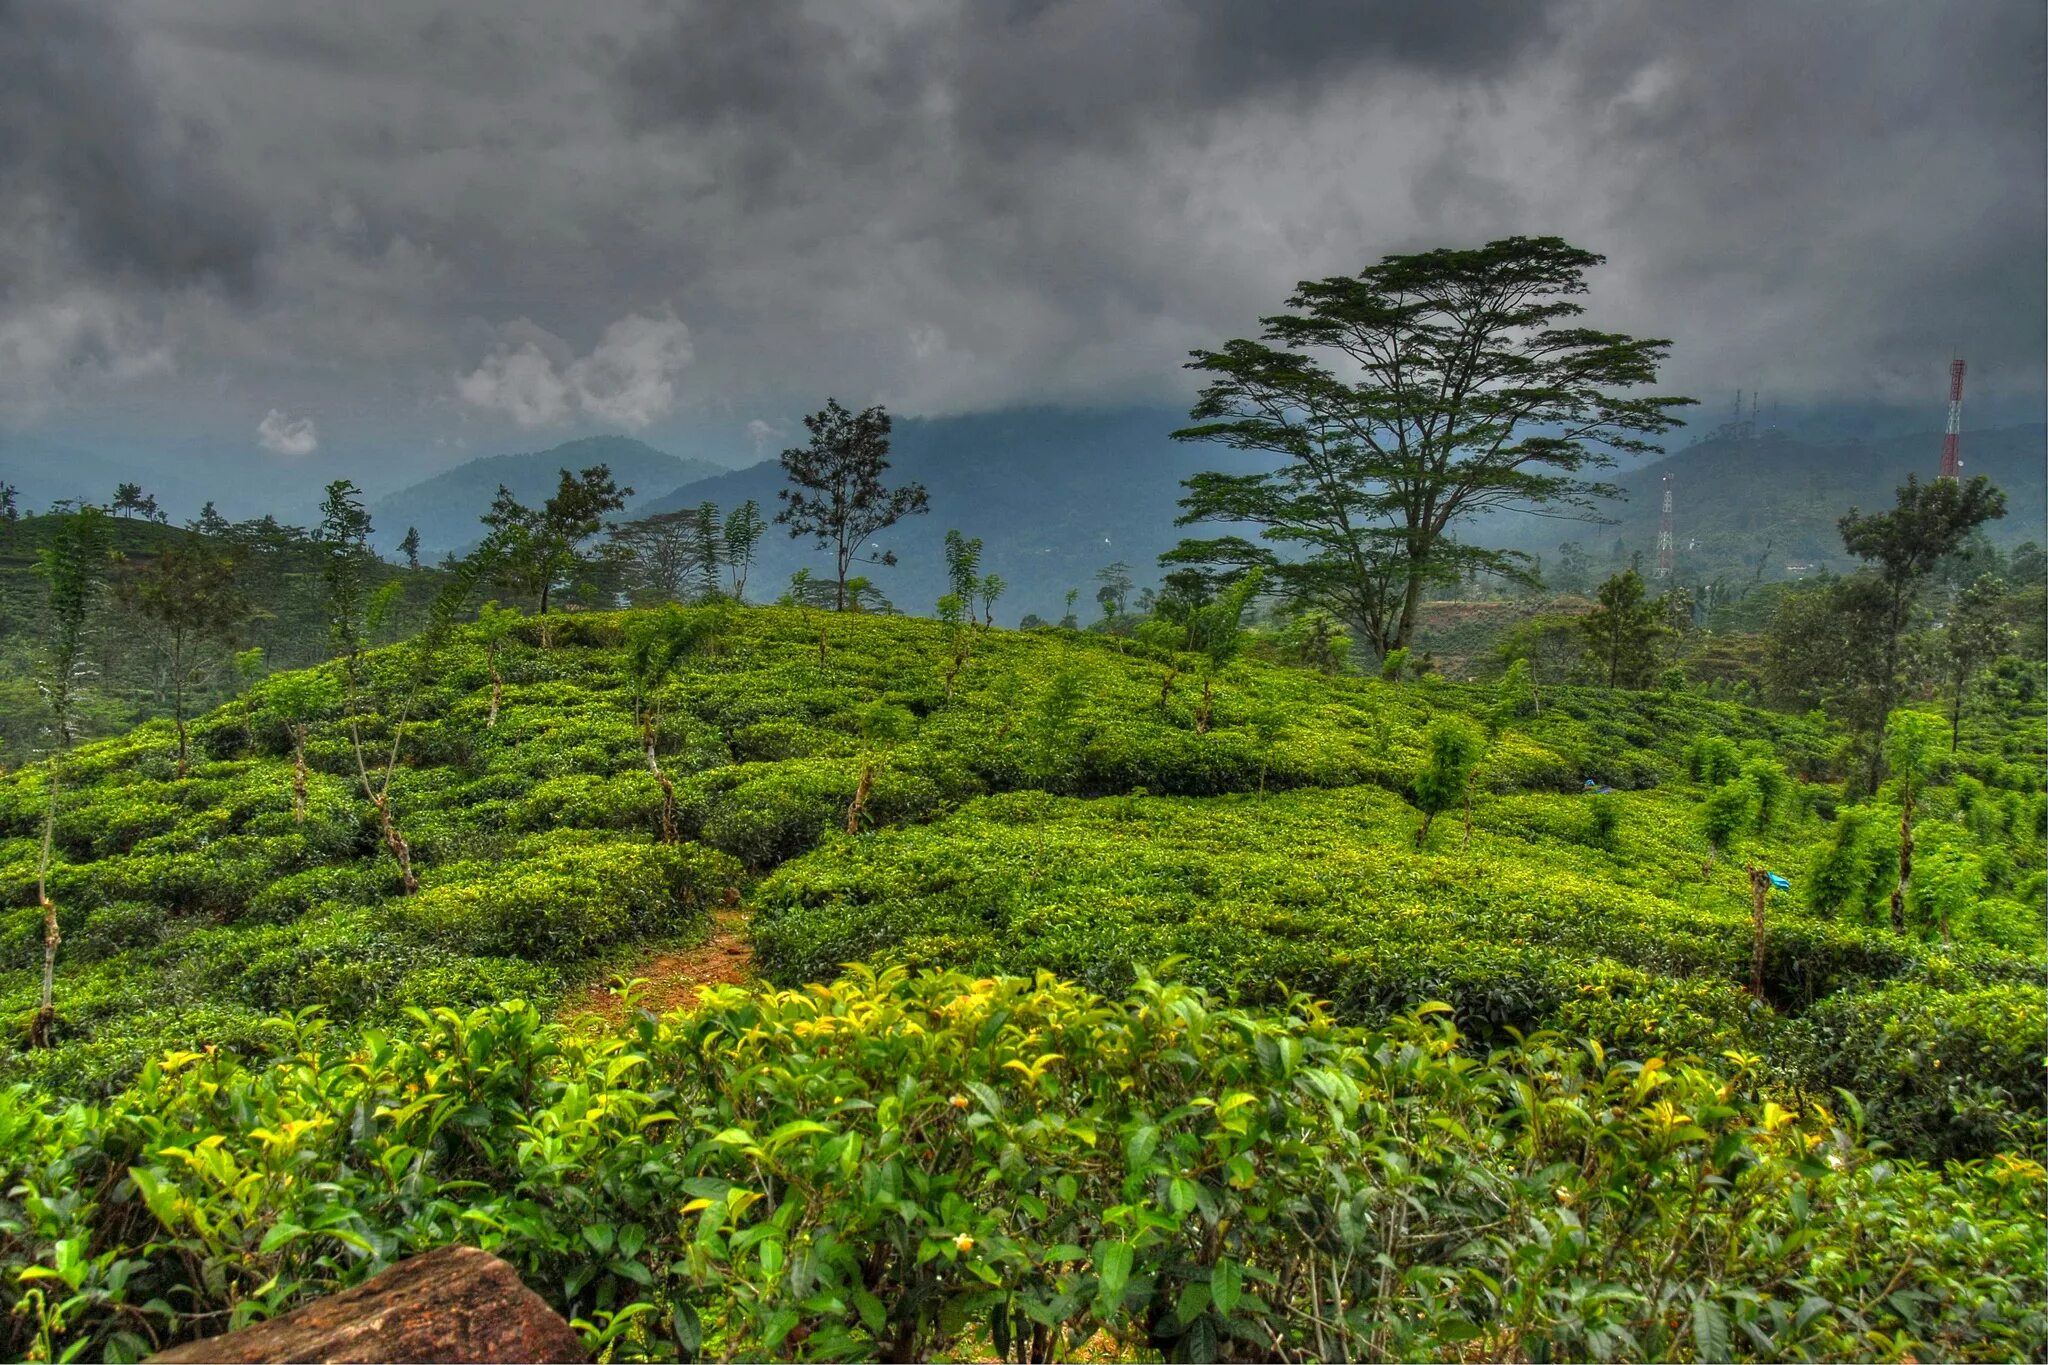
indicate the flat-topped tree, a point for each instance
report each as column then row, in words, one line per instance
column 838, row 494
column 1405, row 399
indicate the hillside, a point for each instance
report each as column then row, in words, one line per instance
column 1054, row 496
column 1734, row 500
column 446, row 507
column 302, row 1073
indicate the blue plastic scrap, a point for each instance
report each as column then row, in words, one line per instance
column 1778, row 881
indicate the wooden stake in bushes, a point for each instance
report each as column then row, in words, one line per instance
column 1759, row 891
column 860, row 798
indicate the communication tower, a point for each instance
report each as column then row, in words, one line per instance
column 1951, row 443
column 1665, row 551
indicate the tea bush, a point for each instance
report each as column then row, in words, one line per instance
column 895, row 1167
column 1052, row 801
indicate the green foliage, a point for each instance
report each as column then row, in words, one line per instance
column 1514, row 696
column 1020, row 1163
column 1007, row 828
column 1395, row 404
column 1445, row 778
column 1729, row 810
column 1846, row 877
column 558, row 899
column 1622, row 630
column 1713, row 759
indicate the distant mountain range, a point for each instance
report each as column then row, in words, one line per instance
column 446, row 508
column 1775, row 499
column 1054, row 496
column 1057, row 494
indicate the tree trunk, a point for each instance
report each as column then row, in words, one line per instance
column 668, row 788
column 178, row 705
column 1205, row 710
column 401, row 851
column 1955, row 718
column 1422, row 834
column 1411, row 604
column 46, row 1016
column 860, row 798
column 1759, row 891
column 1905, row 855
column 298, row 774
column 1166, row 687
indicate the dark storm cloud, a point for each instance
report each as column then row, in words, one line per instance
column 964, row 204
column 90, row 159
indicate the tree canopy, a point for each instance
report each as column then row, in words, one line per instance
column 1407, row 398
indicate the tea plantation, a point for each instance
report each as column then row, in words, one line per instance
column 1506, row 1088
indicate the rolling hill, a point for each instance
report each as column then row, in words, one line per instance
column 962, row 858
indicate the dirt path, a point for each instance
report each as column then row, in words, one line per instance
column 672, row 979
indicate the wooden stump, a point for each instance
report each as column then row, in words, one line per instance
column 451, row 1304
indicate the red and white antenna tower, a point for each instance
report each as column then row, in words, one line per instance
column 1665, row 550
column 1951, row 444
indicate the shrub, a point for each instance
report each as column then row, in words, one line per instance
column 1007, row 1167
column 1951, row 1074
column 563, row 901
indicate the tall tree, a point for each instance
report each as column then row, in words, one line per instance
column 658, row 553
column 410, row 547
column 1114, row 589
column 189, row 591
column 1976, row 634
column 73, row 566
column 1447, row 774
column 838, row 494
column 352, row 612
column 1622, row 631
column 707, row 550
column 744, row 528
column 1400, row 401
column 540, row 548
column 129, row 498
column 1913, row 743
column 655, row 645
column 1903, row 546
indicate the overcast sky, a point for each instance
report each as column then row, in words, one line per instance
column 300, row 238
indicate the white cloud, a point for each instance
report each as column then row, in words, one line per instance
column 627, row 379
column 761, row 433
column 282, row 435
column 523, row 384
column 630, row 377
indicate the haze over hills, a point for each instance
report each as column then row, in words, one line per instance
column 1778, row 497
column 446, row 508
column 1054, row 496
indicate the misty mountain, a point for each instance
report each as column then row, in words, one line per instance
column 1054, row 496
column 44, row 472
column 446, row 508
column 1776, row 498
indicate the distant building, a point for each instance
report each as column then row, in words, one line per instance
column 1797, row 571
